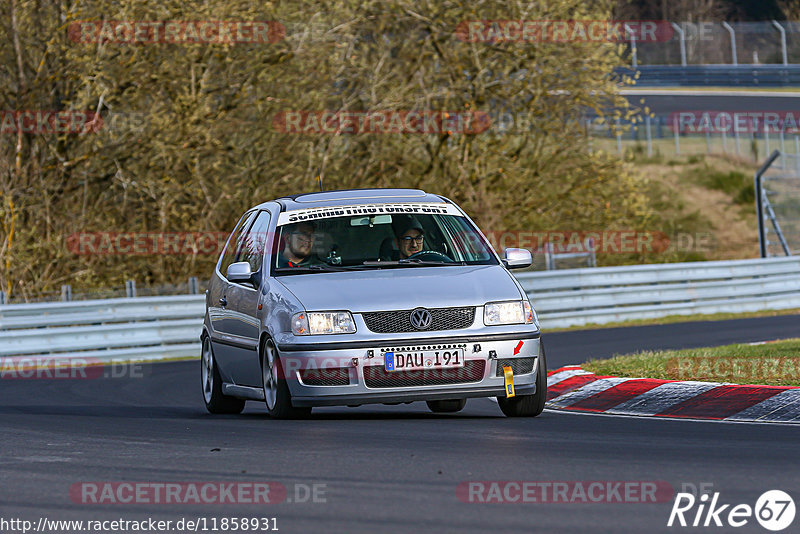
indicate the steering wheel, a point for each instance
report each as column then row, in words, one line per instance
column 431, row 255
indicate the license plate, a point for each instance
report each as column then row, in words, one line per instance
column 416, row 360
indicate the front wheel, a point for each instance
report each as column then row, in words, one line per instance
column 215, row 401
column 528, row 405
column 276, row 390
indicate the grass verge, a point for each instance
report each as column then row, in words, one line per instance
column 775, row 363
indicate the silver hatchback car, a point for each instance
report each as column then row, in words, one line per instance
column 344, row 298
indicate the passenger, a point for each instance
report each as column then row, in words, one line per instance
column 299, row 243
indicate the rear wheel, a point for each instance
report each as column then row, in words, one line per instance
column 276, row 390
column 447, row 406
column 215, row 401
column 528, row 405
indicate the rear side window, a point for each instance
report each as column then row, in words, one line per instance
column 235, row 242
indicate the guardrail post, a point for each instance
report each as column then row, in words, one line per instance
column 193, row 289
column 592, row 256
column 66, row 293
column 130, row 288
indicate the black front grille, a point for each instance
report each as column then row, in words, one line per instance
column 391, row 322
column 520, row 366
column 338, row 376
column 377, row 377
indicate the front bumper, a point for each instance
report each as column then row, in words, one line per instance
column 350, row 359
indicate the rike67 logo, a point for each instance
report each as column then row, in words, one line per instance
column 774, row 510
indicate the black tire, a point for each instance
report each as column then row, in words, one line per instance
column 446, row 406
column 528, row 405
column 211, row 383
column 277, row 397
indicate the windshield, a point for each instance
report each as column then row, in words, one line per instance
column 377, row 237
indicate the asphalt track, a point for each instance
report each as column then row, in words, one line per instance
column 384, row 468
column 664, row 102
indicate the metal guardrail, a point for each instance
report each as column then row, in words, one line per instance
column 608, row 294
column 169, row 327
column 124, row 328
column 714, row 75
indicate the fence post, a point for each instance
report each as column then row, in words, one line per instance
column 724, row 141
column 677, row 135
column 619, row 138
column 682, row 42
column 797, row 153
column 738, row 144
column 783, row 145
column 193, row 290
column 649, row 136
column 130, row 288
column 2, row 297
column 783, row 41
column 733, row 41
column 66, row 293
column 708, row 142
column 766, row 139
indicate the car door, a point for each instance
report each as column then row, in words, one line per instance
column 242, row 320
column 217, row 301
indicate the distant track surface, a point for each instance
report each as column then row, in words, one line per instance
column 384, row 468
column 661, row 102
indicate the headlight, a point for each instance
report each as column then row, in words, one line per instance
column 514, row 312
column 311, row 323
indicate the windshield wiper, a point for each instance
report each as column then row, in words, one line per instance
column 406, row 261
column 312, row 268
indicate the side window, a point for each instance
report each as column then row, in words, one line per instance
column 255, row 242
column 235, row 242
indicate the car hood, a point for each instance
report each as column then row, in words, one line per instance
column 403, row 288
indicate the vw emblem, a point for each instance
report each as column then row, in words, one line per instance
column 421, row 319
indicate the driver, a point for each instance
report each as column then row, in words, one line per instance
column 410, row 238
column 299, row 244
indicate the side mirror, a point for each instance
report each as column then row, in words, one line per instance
column 517, row 258
column 239, row 272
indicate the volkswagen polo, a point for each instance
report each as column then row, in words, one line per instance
column 344, row 298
